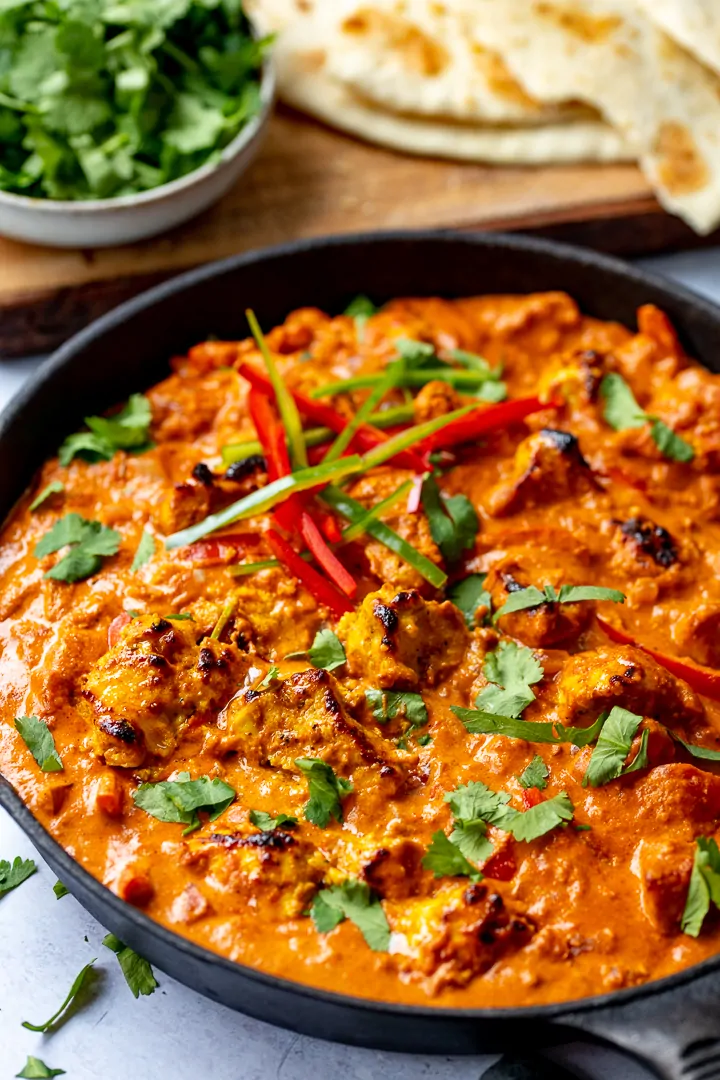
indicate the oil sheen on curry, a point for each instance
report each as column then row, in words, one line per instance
column 383, row 652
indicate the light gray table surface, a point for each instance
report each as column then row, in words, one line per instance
column 176, row 1033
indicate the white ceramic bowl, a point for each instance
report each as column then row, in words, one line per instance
column 105, row 222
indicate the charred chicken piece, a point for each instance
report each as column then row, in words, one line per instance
column 142, row 694
column 398, row 639
column 457, row 934
column 641, row 545
column 663, row 869
column 548, row 466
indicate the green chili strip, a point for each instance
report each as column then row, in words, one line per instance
column 243, row 569
column 355, row 512
column 262, row 500
column 226, row 614
column 384, row 384
column 285, row 401
column 398, row 414
column 354, row 531
column 405, row 439
column 470, row 380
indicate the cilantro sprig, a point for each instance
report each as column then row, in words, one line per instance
column 535, row 775
column 326, row 652
column 14, row 873
column 137, row 970
column 89, row 542
column 79, row 982
column 613, row 746
column 56, row 487
column 326, row 790
column 353, row 900
column 128, row 429
column 704, row 887
column 622, row 411
column 480, row 722
column 268, row 823
column 511, row 670
column 468, row 595
column 103, row 99
column 452, row 519
column 567, row 594
column 181, row 800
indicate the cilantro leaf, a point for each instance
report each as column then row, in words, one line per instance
column 268, row 678
column 704, row 886
column 669, row 443
column 353, row 900
column 478, row 722
column 180, row 800
column 13, row 874
column 476, row 800
column 386, row 705
column 126, row 430
column 702, row 752
column 567, row 594
column 452, row 519
column 54, row 488
column 535, row 775
column 613, row 746
column 268, row 823
column 543, row 818
column 39, row 740
column 326, row 791
column 492, row 391
column 415, row 353
column 445, row 859
column 35, row 1069
column 511, row 670
column 136, row 969
column 60, row 890
column 89, row 543
column 468, row 595
column 78, row 984
column 621, row 409
column 327, row 651
column 144, row 553
column 360, row 310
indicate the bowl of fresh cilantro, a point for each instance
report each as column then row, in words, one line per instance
column 122, row 118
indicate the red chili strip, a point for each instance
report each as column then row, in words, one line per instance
column 703, row 680
column 325, row 557
column 219, row 549
column 470, row 427
column 271, row 435
column 366, row 437
column 324, row 591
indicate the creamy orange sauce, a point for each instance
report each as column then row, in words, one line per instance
column 570, row 914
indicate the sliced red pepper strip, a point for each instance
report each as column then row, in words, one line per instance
column 324, row 591
column 221, row 549
column 468, row 428
column 271, row 435
column 366, row 437
column 329, row 562
column 329, row 525
column 703, row 680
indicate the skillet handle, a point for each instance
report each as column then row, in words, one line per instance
column 676, row 1032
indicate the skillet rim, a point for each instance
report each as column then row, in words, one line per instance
column 53, row 851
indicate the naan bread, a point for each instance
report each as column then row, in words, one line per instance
column 423, row 58
column 693, row 23
column 606, row 53
column 273, row 15
column 305, row 84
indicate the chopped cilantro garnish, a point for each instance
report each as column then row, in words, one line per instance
column 353, row 900
column 326, row 651
column 704, row 886
column 270, row 676
column 60, row 890
column 144, row 553
column 613, row 746
column 445, row 859
column 475, row 800
column 55, row 488
column 126, row 430
column 468, row 595
column 452, row 519
column 184, row 616
column 479, row 722
column 535, row 775
column 622, row 411
column 14, row 873
column 326, row 791
column 566, row 594
column 511, row 670
column 180, row 800
column 89, row 543
column 388, row 704
column 136, row 969
column 268, row 823
column 39, row 740
column 75, row 989
column 35, row 1069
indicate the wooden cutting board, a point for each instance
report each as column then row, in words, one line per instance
column 310, row 181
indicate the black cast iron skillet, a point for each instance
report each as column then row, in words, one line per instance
column 674, row 1024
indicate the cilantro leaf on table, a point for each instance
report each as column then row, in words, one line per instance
column 39, row 740
column 54, row 488
column 14, row 873
column 353, row 900
column 535, row 775
column 445, row 859
column 326, row 789
column 704, row 887
column 60, row 890
column 144, row 553
column 180, row 800
column 452, row 519
column 35, row 1069
column 89, row 542
column 137, row 970
column 326, row 652
column 613, row 746
column 567, row 594
column 511, row 670
column 80, row 981
column 622, row 411
column 468, row 595
column 128, row 429
column 479, row 722
column 268, row 823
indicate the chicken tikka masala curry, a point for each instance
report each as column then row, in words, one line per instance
column 382, row 652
